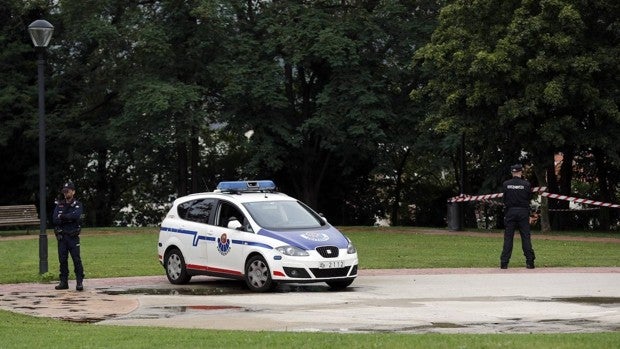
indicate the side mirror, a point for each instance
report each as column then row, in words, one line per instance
column 323, row 218
column 233, row 223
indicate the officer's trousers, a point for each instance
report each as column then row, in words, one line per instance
column 517, row 217
column 68, row 244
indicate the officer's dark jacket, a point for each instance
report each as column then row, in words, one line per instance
column 67, row 216
column 517, row 193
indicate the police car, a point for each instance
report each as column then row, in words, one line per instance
column 247, row 230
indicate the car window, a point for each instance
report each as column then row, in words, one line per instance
column 283, row 215
column 196, row 210
column 226, row 212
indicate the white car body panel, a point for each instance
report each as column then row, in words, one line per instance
column 213, row 249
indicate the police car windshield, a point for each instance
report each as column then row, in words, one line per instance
column 283, row 215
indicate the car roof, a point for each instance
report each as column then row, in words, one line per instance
column 237, row 197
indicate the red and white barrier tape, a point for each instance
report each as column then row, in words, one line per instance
column 462, row 198
column 542, row 191
column 579, row 200
column 574, row 209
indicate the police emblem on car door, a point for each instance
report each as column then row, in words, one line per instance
column 226, row 253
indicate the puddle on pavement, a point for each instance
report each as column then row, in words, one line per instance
column 85, row 320
column 186, row 308
column 25, row 295
column 200, row 290
column 166, row 312
column 602, row 301
column 414, row 329
column 446, row 325
column 176, row 291
column 284, row 288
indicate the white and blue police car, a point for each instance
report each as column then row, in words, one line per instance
column 247, row 230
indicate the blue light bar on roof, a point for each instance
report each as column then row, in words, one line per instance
column 246, row 185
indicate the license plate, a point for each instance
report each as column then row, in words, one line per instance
column 331, row 264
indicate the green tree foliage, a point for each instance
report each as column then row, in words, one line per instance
column 18, row 105
column 540, row 72
column 323, row 85
column 139, row 104
column 149, row 100
column 299, row 79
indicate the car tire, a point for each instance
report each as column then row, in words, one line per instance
column 257, row 275
column 339, row 284
column 176, row 270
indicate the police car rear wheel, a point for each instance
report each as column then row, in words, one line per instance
column 257, row 275
column 176, row 270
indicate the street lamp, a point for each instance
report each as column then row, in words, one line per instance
column 41, row 32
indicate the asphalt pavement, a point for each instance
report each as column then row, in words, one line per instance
column 479, row 300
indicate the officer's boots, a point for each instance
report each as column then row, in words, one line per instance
column 63, row 285
column 79, row 286
column 529, row 264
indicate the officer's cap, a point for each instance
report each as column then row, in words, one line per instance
column 68, row 185
column 516, row 168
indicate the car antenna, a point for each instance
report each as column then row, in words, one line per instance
column 272, row 190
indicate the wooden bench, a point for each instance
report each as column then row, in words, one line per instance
column 19, row 215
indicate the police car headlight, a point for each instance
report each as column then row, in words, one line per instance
column 350, row 248
column 292, row 251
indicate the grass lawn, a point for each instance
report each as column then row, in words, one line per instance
column 114, row 252
column 48, row 333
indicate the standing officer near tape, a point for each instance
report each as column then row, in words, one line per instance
column 517, row 195
column 67, row 218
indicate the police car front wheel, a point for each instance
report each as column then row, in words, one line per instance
column 257, row 275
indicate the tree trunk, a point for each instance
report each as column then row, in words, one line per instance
column 542, row 175
column 564, row 186
column 549, row 213
column 101, row 213
column 181, row 168
column 604, row 216
column 559, row 180
column 194, row 161
column 398, row 188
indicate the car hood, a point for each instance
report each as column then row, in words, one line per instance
column 308, row 239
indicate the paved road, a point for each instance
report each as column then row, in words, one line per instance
column 407, row 300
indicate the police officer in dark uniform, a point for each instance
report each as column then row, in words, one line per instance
column 67, row 220
column 517, row 195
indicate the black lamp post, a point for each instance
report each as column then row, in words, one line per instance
column 41, row 32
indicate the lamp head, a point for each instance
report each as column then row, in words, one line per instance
column 41, row 32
